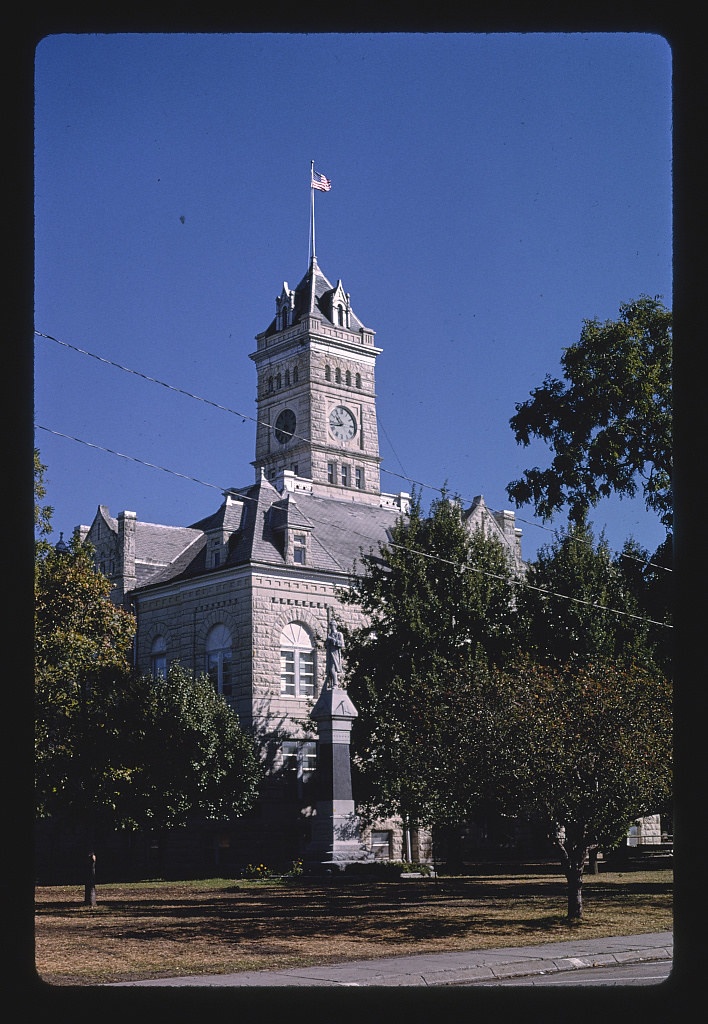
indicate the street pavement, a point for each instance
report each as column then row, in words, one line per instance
column 454, row 968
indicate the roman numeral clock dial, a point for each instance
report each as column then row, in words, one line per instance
column 342, row 424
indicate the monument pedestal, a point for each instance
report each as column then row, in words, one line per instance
column 336, row 830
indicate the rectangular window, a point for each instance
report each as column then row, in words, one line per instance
column 213, row 669
column 287, row 672
column 299, row 762
column 306, row 681
column 381, row 845
column 158, row 664
column 220, row 671
column 359, row 477
column 227, row 676
column 331, row 473
column 308, row 759
column 299, row 548
column 345, row 476
column 290, row 755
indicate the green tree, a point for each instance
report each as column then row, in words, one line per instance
column 82, row 646
column 42, row 513
column 587, row 749
column 186, row 756
column 438, row 601
column 582, row 604
column 113, row 751
column 649, row 577
column 609, row 421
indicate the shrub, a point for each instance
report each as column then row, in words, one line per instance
column 386, row 869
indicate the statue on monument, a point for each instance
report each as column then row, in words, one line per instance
column 334, row 645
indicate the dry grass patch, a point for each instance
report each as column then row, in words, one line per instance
column 152, row 930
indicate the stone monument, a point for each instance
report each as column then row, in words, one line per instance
column 336, row 830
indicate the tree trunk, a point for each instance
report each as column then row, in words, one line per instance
column 574, row 874
column 572, row 863
column 90, row 884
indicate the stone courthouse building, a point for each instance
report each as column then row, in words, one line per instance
column 246, row 594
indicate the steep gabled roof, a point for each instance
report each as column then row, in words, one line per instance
column 159, row 544
column 339, row 532
column 313, row 295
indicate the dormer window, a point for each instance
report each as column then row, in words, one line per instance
column 284, row 308
column 215, row 552
column 300, row 548
column 339, row 307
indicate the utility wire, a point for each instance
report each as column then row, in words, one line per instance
column 244, row 416
column 515, row 582
column 459, row 565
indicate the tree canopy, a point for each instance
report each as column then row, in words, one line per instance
column 113, row 751
column 588, row 749
column 477, row 687
column 42, row 513
column 583, row 604
column 188, row 755
column 438, row 600
column 608, row 421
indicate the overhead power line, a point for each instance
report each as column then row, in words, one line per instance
column 244, row 417
column 512, row 581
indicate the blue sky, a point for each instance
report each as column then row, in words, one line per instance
column 490, row 192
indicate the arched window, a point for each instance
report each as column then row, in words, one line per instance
column 278, row 381
column 297, row 662
column 219, row 659
column 358, row 380
column 158, row 657
column 294, row 374
column 337, row 376
column 328, row 372
column 287, row 378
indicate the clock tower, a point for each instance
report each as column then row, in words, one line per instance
column 316, row 395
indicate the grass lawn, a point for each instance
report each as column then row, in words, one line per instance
column 161, row 929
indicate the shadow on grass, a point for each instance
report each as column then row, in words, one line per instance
column 390, row 912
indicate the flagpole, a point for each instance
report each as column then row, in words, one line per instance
column 312, row 211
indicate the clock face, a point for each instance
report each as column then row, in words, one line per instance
column 285, row 426
column 342, row 423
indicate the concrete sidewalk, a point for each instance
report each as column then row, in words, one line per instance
column 458, row 968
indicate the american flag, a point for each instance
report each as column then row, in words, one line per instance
column 319, row 181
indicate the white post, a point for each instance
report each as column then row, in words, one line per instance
column 313, row 254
